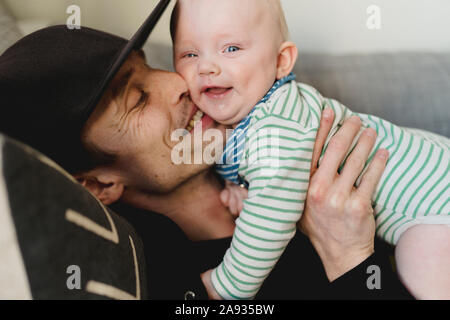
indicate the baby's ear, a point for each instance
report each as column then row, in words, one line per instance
column 287, row 56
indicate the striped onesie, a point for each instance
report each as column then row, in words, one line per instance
column 270, row 151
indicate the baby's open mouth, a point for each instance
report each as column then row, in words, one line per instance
column 195, row 119
column 216, row 92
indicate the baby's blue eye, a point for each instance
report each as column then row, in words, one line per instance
column 190, row 55
column 231, row 49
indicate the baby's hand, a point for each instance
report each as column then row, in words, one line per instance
column 233, row 197
column 206, row 279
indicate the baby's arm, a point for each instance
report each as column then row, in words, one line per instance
column 423, row 258
column 278, row 173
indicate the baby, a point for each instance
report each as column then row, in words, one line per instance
column 237, row 60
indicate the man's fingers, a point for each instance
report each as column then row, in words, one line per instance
column 373, row 175
column 243, row 193
column 337, row 149
column 356, row 161
column 225, row 197
column 326, row 122
column 240, row 207
column 232, row 204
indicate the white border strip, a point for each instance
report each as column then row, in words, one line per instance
column 13, row 277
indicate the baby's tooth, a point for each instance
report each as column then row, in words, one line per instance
column 195, row 119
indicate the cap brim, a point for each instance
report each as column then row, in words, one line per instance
column 136, row 43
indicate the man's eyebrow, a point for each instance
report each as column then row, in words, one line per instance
column 119, row 87
column 141, row 54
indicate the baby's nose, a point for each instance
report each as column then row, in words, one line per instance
column 208, row 67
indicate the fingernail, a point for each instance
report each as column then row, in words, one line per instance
column 383, row 154
column 371, row 132
column 355, row 119
column 327, row 113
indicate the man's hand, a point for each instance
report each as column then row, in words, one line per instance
column 195, row 206
column 338, row 218
column 206, row 279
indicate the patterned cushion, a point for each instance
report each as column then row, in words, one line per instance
column 9, row 33
column 54, row 236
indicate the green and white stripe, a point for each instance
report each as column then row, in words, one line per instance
column 414, row 188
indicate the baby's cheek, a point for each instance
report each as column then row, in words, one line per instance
column 182, row 69
column 190, row 79
column 190, row 76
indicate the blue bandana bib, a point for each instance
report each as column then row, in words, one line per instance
column 232, row 155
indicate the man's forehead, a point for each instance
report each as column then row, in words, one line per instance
column 136, row 59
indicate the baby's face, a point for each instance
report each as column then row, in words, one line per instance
column 227, row 51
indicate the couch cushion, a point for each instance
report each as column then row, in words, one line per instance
column 54, row 230
column 408, row 89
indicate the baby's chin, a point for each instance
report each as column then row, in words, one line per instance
column 221, row 114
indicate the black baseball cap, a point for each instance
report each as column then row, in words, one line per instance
column 52, row 80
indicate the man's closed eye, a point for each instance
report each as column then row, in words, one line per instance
column 142, row 100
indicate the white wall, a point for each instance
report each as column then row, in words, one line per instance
column 339, row 26
column 333, row 26
column 121, row 17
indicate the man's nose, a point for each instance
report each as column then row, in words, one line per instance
column 207, row 67
column 178, row 86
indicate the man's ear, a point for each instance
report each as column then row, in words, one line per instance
column 106, row 186
column 287, row 56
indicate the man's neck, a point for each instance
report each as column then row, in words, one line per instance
column 194, row 206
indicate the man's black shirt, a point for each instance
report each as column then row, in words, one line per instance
column 174, row 264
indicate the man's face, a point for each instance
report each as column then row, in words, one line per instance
column 135, row 121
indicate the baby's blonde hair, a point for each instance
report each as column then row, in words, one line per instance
column 278, row 10
column 275, row 5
